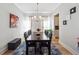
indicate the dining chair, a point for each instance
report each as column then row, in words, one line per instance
column 28, row 44
column 48, row 43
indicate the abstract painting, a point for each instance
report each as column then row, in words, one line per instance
column 13, row 20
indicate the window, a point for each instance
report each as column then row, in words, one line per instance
column 46, row 23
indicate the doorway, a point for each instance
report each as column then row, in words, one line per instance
column 56, row 28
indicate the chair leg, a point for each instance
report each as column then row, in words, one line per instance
column 35, row 49
column 49, row 49
column 27, row 50
column 41, row 50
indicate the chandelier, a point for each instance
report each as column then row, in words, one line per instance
column 36, row 16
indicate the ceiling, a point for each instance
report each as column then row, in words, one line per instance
column 43, row 9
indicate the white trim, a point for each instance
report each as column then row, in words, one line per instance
column 69, row 49
column 3, row 51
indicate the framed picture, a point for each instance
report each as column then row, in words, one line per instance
column 72, row 10
column 13, row 20
column 64, row 22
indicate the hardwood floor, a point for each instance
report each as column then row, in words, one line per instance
column 62, row 49
column 8, row 52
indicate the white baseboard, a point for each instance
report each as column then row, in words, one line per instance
column 3, row 51
column 69, row 49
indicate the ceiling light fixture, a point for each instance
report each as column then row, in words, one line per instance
column 37, row 13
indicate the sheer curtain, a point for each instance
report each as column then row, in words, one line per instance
column 26, row 24
column 46, row 25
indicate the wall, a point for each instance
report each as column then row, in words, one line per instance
column 68, row 33
column 6, row 33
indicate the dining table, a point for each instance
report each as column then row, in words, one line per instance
column 38, row 42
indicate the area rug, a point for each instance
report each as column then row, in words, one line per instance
column 21, row 50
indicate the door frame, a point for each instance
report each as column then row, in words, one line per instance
column 56, row 28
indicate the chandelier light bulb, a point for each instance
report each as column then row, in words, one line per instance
column 40, row 17
column 35, row 17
